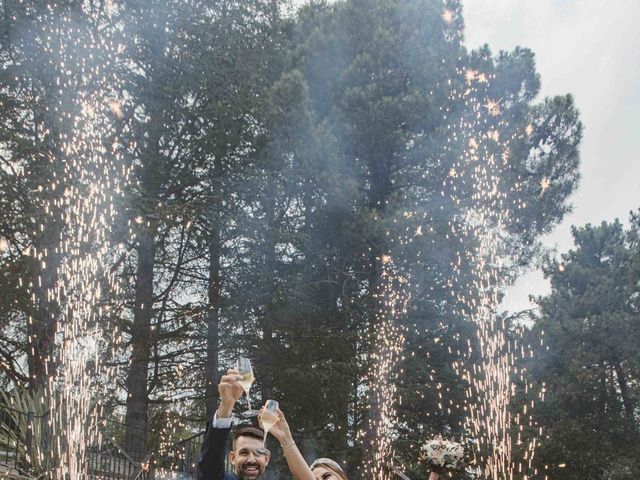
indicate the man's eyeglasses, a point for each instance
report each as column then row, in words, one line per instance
column 261, row 452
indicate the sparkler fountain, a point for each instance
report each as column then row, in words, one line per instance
column 83, row 195
column 387, row 339
column 491, row 387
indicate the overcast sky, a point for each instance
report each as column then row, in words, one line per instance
column 590, row 48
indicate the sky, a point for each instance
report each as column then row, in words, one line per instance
column 591, row 49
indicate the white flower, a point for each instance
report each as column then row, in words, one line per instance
column 442, row 453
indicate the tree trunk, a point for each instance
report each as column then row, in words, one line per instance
column 43, row 317
column 137, row 390
column 151, row 175
column 213, row 313
column 42, row 326
column 627, row 401
column 267, row 356
column 602, row 400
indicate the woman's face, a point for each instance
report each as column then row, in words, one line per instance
column 323, row 473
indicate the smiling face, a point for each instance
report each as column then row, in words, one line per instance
column 246, row 464
column 324, row 473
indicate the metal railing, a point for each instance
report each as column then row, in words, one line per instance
column 165, row 457
column 180, row 456
column 25, row 441
column 110, row 461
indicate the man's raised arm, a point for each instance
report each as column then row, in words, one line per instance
column 211, row 461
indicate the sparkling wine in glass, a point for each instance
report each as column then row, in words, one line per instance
column 268, row 418
column 246, row 380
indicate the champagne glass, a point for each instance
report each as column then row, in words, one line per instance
column 268, row 418
column 246, row 380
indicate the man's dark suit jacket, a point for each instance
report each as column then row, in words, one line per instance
column 211, row 461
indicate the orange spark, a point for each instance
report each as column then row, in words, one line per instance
column 494, row 135
column 116, row 108
column 470, row 75
column 545, row 183
column 493, row 107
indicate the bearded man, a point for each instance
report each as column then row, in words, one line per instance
column 248, row 457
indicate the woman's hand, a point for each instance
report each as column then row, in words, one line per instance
column 280, row 429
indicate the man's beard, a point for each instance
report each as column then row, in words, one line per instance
column 240, row 472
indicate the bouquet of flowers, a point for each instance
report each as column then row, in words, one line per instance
column 441, row 455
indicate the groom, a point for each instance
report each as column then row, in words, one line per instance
column 248, row 458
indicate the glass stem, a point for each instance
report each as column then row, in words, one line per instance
column 248, row 400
